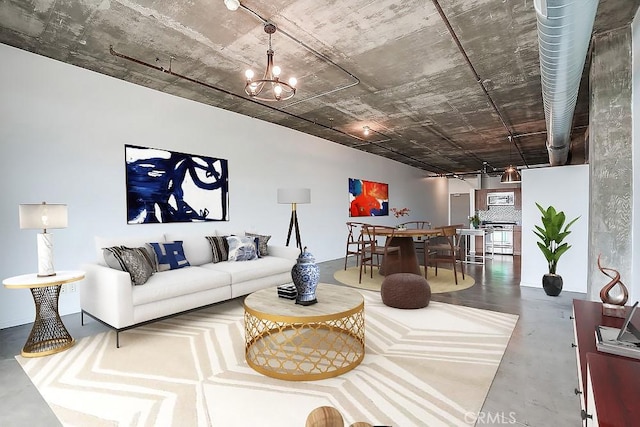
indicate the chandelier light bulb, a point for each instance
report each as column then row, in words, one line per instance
column 249, row 74
column 366, row 130
column 276, row 71
column 277, row 89
column 232, row 4
column 293, row 82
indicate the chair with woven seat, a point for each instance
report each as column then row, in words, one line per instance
column 354, row 241
column 372, row 252
column 445, row 248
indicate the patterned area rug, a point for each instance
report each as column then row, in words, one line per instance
column 443, row 282
column 431, row 366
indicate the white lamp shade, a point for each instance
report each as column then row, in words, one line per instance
column 43, row 216
column 294, row 195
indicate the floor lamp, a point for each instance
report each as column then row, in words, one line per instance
column 294, row 196
column 44, row 216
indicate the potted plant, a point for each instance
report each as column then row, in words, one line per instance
column 551, row 235
column 475, row 220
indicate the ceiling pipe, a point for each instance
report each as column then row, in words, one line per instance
column 564, row 33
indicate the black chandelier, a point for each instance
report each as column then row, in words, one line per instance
column 269, row 88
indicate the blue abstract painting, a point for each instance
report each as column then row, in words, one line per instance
column 166, row 186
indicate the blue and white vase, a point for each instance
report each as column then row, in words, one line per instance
column 305, row 275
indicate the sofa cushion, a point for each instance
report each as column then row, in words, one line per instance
column 169, row 255
column 250, row 270
column 128, row 241
column 175, row 283
column 242, row 248
column 263, row 249
column 196, row 246
column 135, row 261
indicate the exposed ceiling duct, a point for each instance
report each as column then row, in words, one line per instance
column 564, row 32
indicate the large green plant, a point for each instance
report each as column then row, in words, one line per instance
column 552, row 234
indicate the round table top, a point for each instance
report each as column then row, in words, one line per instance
column 332, row 300
column 34, row 281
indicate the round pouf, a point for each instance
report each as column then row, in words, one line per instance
column 405, row 290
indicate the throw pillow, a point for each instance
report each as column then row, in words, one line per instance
column 262, row 243
column 219, row 248
column 170, row 255
column 242, row 248
column 134, row 261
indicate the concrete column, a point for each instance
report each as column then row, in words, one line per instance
column 610, row 159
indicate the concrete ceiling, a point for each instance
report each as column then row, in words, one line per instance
column 390, row 65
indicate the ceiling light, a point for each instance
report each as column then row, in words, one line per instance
column 232, row 4
column 366, row 130
column 510, row 175
column 270, row 87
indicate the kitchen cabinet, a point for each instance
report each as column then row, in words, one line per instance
column 517, row 240
column 481, row 200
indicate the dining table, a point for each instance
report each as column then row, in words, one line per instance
column 408, row 261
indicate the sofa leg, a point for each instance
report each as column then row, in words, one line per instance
column 117, row 339
column 81, row 317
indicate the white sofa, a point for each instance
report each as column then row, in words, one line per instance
column 109, row 296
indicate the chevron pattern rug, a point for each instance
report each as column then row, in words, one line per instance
column 426, row 367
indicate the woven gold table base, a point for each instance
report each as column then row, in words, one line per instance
column 48, row 334
column 304, row 351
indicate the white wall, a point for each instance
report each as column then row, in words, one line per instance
column 62, row 136
column 567, row 189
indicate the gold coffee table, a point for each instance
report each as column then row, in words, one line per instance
column 48, row 334
column 289, row 341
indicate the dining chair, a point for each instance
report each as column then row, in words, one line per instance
column 372, row 252
column 445, row 248
column 354, row 241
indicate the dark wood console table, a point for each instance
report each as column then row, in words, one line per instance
column 609, row 385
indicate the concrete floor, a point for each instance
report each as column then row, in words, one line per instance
column 534, row 385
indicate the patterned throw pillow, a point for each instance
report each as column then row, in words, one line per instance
column 135, row 261
column 170, row 255
column 219, row 248
column 242, row 248
column 262, row 243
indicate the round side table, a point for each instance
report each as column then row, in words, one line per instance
column 48, row 334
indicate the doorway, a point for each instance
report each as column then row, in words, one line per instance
column 459, row 208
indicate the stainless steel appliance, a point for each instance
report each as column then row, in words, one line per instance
column 505, row 198
column 501, row 237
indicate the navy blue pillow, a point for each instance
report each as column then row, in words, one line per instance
column 170, row 255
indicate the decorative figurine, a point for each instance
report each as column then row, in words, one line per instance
column 614, row 294
column 305, row 275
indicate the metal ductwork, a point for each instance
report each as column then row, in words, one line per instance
column 564, row 32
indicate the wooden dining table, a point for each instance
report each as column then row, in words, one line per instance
column 408, row 260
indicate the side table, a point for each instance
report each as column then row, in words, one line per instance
column 48, row 334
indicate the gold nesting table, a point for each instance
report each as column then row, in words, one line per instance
column 292, row 342
column 48, row 334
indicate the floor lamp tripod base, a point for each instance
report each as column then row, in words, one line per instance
column 293, row 224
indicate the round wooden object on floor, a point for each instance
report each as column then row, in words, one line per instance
column 325, row 416
column 361, row 424
column 405, row 290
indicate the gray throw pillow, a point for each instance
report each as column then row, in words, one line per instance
column 262, row 243
column 219, row 248
column 134, row 261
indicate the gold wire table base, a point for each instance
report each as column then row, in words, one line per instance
column 299, row 347
column 48, row 334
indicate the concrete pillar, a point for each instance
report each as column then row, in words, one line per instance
column 610, row 159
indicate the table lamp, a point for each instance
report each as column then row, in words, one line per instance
column 43, row 216
column 294, row 196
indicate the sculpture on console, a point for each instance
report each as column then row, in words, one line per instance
column 614, row 294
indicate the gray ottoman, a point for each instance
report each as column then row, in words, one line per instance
column 405, row 290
